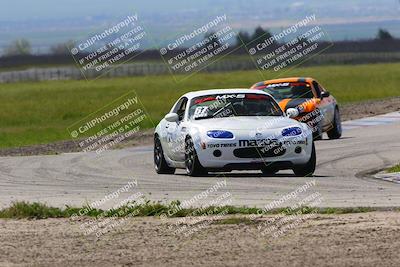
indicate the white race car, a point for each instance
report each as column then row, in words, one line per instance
column 232, row 129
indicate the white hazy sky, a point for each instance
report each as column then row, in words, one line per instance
column 18, row 10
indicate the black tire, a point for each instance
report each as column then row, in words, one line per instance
column 268, row 171
column 336, row 131
column 160, row 164
column 309, row 168
column 192, row 164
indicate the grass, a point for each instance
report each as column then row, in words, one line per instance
column 25, row 210
column 394, row 169
column 37, row 113
column 20, row 210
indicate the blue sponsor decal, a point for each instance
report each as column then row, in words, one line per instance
column 293, row 131
column 220, row 134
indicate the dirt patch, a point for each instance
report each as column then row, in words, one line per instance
column 369, row 108
column 348, row 112
column 365, row 239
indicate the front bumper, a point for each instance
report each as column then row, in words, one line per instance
column 234, row 154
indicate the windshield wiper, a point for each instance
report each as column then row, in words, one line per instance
column 205, row 117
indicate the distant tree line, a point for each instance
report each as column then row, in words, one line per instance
column 19, row 52
column 245, row 37
column 22, row 47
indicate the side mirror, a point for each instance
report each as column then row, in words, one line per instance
column 292, row 112
column 325, row 94
column 171, row 117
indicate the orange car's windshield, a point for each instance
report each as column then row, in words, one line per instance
column 289, row 90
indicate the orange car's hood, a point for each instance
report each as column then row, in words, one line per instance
column 305, row 104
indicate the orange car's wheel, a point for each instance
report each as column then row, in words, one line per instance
column 336, row 131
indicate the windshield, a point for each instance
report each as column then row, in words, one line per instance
column 228, row 105
column 289, row 90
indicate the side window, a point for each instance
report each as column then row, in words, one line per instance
column 180, row 107
column 317, row 88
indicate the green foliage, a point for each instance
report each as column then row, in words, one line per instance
column 394, row 169
column 18, row 48
column 20, row 210
column 384, row 35
column 212, row 38
column 243, row 38
column 259, row 32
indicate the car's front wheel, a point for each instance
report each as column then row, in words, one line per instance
column 336, row 131
column 160, row 164
column 309, row 168
column 269, row 171
column 192, row 163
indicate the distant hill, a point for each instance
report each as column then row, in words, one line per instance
column 48, row 22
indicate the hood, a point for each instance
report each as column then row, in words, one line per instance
column 307, row 104
column 245, row 123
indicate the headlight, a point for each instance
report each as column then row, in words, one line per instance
column 292, row 131
column 220, row 134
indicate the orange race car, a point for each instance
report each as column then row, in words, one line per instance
column 316, row 106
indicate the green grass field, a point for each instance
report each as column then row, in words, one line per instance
column 34, row 113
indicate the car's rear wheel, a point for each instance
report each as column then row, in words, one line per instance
column 309, row 168
column 336, row 131
column 192, row 163
column 160, row 164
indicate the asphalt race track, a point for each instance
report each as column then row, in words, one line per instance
column 342, row 177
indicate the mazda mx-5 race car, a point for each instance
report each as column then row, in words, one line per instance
column 316, row 106
column 232, row 129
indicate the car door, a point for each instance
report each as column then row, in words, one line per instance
column 176, row 132
column 330, row 103
column 325, row 106
column 169, row 131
